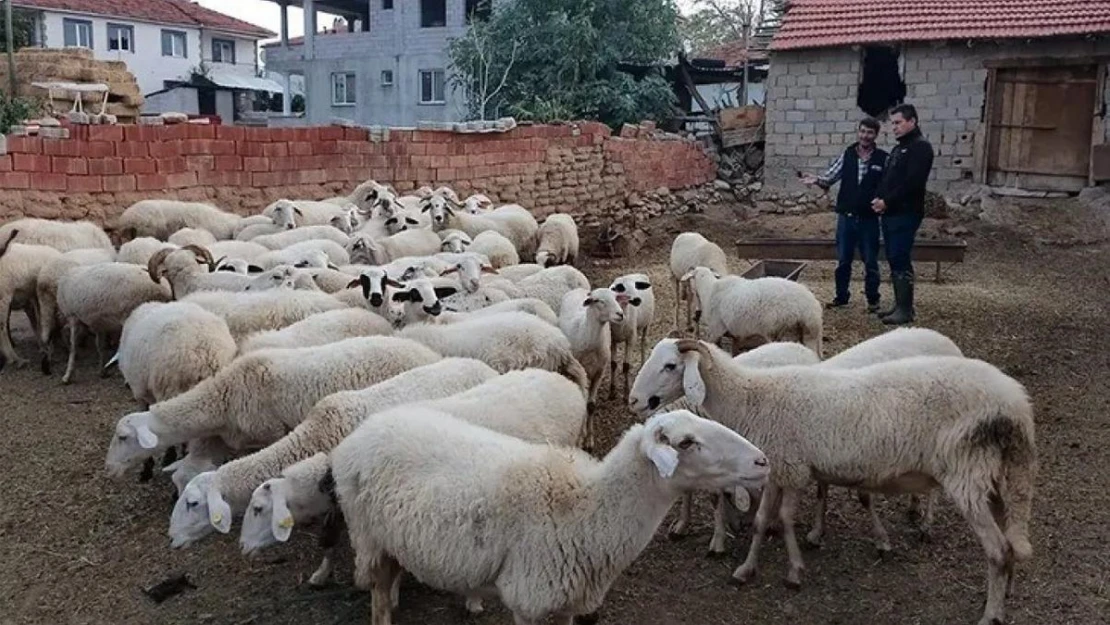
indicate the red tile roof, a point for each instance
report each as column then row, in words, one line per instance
column 825, row 23
column 178, row 12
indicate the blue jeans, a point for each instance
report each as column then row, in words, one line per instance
column 860, row 233
column 899, row 232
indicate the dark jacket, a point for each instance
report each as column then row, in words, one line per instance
column 907, row 172
column 854, row 196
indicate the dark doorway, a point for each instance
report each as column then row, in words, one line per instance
column 206, row 101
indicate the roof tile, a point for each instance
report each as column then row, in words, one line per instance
column 178, row 12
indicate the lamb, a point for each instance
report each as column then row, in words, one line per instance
column 228, row 489
column 902, row 426
column 376, row 284
column 46, row 294
column 418, row 300
column 100, row 297
column 159, row 218
column 313, row 252
column 558, row 241
column 19, row 271
column 319, row 329
column 505, row 341
column 191, row 236
column 690, row 250
column 493, row 245
column 550, row 285
column 417, row 242
column 512, row 221
column 584, row 317
column 287, row 238
column 539, row 564
column 140, row 250
column 639, row 313
column 767, row 308
column 63, row 236
column 261, row 396
column 272, row 309
column 477, row 203
column 454, row 241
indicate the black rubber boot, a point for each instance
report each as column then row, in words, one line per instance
column 903, row 300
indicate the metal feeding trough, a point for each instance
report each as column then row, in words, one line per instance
column 789, row 269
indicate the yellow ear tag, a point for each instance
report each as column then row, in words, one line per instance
column 216, row 518
column 286, row 523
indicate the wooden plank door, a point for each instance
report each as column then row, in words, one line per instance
column 1041, row 125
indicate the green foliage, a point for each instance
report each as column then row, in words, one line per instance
column 557, row 60
column 22, row 27
column 13, row 111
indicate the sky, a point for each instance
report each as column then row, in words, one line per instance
column 268, row 14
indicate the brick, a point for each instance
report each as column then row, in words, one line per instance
column 5, row 163
column 356, row 134
column 795, row 116
column 115, row 184
column 140, row 133
column 807, row 80
column 300, row 149
column 98, row 149
column 106, row 166
column 165, row 149
column 805, row 105
column 84, row 184
column 132, row 149
column 805, row 128
column 267, row 179
column 202, row 131
column 31, row 162
column 24, row 145
column 313, row 176
column 228, row 163
column 325, row 147
column 68, row 165
column 112, row 134
column 50, row 182
column 256, row 163
column 200, row 162
column 182, row 180
column 139, row 166
column 61, row 148
column 173, row 165
column 230, row 133
column 15, row 180
column 331, row 133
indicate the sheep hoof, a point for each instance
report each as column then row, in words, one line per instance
column 677, row 531
column 793, row 580
column 588, row 619
column 813, row 541
column 45, row 366
column 742, row 575
column 474, row 606
column 319, row 579
column 714, row 554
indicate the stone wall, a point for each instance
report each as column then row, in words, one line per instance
column 97, row 172
column 812, row 114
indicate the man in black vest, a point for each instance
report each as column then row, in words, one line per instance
column 901, row 202
column 859, row 170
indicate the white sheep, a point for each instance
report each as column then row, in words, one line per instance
column 252, row 220
column 260, row 396
column 100, row 297
column 311, row 253
column 160, row 218
column 19, row 271
column 330, row 280
column 516, row 273
column 60, row 235
column 408, row 510
column 417, row 242
column 639, row 314
column 286, row 238
column 306, row 213
column 768, row 308
column 477, row 203
column 512, row 221
column 46, row 294
column 584, row 317
column 272, row 309
column 256, row 230
column 191, row 236
column 550, row 285
column 484, row 297
column 690, row 250
column 493, row 245
column 468, row 268
column 419, row 300
column 558, row 241
column 246, row 250
column 230, row 486
column 528, row 305
column 140, row 250
column 454, row 241
column 366, row 194
column 319, row 329
column 902, row 426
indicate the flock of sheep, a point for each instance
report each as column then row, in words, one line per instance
column 387, row 365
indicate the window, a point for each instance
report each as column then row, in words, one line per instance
column 173, row 44
column 77, row 33
column 433, row 13
column 387, row 77
column 223, row 51
column 121, row 38
column 477, row 10
column 343, row 89
column 387, row 5
column 431, row 86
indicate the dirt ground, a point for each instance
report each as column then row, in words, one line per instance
column 76, row 547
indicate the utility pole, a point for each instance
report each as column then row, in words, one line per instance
column 11, row 47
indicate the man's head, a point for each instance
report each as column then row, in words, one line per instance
column 903, row 119
column 867, row 131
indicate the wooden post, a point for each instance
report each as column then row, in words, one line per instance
column 12, row 86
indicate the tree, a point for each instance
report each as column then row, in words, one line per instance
column 716, row 22
column 23, row 26
column 548, row 60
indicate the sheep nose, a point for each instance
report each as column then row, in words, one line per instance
column 761, row 461
column 653, row 402
column 376, row 300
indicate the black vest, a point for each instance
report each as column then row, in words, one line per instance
column 854, row 197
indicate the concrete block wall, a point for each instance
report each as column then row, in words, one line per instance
column 96, row 173
column 812, row 113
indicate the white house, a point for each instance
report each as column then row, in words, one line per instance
column 163, row 42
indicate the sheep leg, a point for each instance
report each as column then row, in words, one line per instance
column 924, row 519
column 383, row 574
column 6, row 347
column 998, row 552
column 474, row 604
column 627, row 370
column 679, row 527
column 767, row 506
column 882, row 539
column 677, row 300
column 717, row 543
column 329, row 542
column 643, row 346
column 102, row 352
column 74, row 327
column 46, row 335
column 613, row 369
column 815, row 535
column 33, row 316
column 786, row 513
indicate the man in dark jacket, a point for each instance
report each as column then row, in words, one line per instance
column 859, row 170
column 901, row 202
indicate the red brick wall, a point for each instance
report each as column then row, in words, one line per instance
column 100, row 170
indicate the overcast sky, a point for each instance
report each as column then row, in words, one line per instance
column 268, row 14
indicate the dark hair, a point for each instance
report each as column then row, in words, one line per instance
column 907, row 111
column 870, row 122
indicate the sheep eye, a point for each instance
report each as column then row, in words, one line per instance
column 670, row 366
column 123, row 438
column 619, row 288
column 189, row 505
column 686, row 443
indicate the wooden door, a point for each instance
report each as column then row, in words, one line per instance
column 1041, row 124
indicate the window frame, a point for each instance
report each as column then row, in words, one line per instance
column 350, row 95
column 228, row 42
column 184, row 43
column 77, row 23
column 390, row 82
column 442, row 87
column 427, row 24
column 118, row 28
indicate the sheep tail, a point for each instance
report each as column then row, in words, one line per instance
column 810, row 337
column 1010, row 441
column 573, row 370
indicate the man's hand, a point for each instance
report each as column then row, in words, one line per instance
column 878, row 205
column 809, row 179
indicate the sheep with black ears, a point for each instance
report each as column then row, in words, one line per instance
column 901, row 426
column 228, row 489
column 260, row 396
column 417, row 242
column 538, row 563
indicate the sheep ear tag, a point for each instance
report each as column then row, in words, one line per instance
column 741, row 499
column 281, row 520
column 692, row 384
column 219, row 512
column 665, row 459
